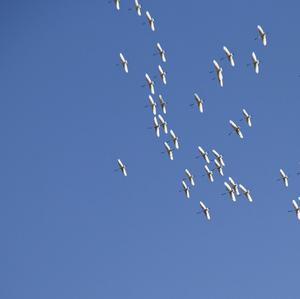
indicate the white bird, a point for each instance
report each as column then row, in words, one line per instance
column 163, row 123
column 199, row 102
column 284, row 177
column 205, row 210
column 122, row 167
column 255, row 62
column 190, row 177
column 229, row 56
column 150, row 83
column 163, row 74
column 234, row 186
column 150, row 21
column 296, row 208
column 262, row 35
column 204, row 154
column 236, row 128
column 169, row 151
column 138, row 7
column 219, row 167
column 246, row 192
column 247, row 118
column 230, row 191
column 124, row 62
column 152, row 105
column 219, row 72
column 175, row 139
column 117, row 3
column 218, row 157
column 156, row 126
column 161, row 52
column 163, row 104
column 186, row 189
column 209, row 173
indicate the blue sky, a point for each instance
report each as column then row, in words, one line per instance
column 72, row 227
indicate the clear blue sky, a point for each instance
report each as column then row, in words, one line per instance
column 72, row 227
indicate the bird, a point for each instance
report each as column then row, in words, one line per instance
column 163, row 74
column 247, row 117
column 150, row 83
column 284, row 177
column 218, row 157
column 152, row 104
column 124, row 62
column 219, row 167
column 163, row 104
column 150, row 21
column 199, row 102
column 161, row 52
column 236, row 128
column 234, row 186
column 175, row 139
column 209, row 173
column 205, row 210
column 204, row 154
column 163, row 123
column 230, row 191
column 229, row 56
column 186, row 189
column 262, row 35
column 117, row 3
column 190, row 177
column 246, row 192
column 255, row 63
column 296, row 209
column 219, row 72
column 138, row 7
column 122, row 167
column 156, row 126
column 169, row 150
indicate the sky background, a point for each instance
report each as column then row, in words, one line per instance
column 72, row 227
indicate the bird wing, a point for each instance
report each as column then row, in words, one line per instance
column 233, row 124
column 243, row 188
column 227, row 52
column 148, row 79
column 123, row 60
column 148, row 16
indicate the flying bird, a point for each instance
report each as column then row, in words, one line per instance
column 163, row 74
column 236, row 128
column 218, row 157
column 255, row 63
column 186, row 189
column 246, row 192
column 169, row 150
column 296, row 209
column 152, row 104
column 219, row 72
column 234, row 186
column 150, row 21
column 230, row 191
column 284, row 177
column 124, row 62
column 163, row 104
column 190, row 177
column 163, row 123
column 156, row 126
column 209, row 173
column 262, row 35
column 138, row 7
column 162, row 52
column 174, row 139
column 150, row 83
column 205, row 210
column 199, row 102
column 247, row 117
column 219, row 167
column 122, row 167
column 229, row 56
column 204, row 154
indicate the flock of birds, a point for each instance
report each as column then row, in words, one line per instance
column 232, row 188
